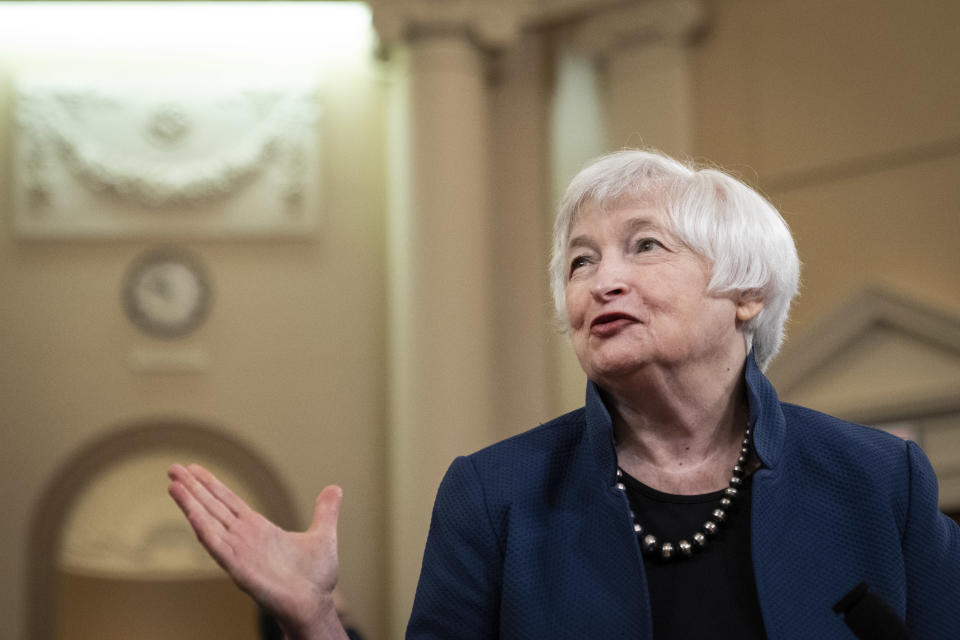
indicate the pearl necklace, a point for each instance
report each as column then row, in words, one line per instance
column 649, row 543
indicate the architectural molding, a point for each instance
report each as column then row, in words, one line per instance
column 867, row 321
column 109, row 157
column 633, row 24
column 491, row 24
column 76, row 474
column 600, row 25
column 547, row 13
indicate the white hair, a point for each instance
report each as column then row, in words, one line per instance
column 737, row 230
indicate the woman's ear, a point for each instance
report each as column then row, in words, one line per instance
column 749, row 304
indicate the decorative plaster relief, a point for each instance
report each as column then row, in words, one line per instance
column 187, row 157
column 125, row 524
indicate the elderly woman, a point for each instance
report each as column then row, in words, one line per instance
column 684, row 500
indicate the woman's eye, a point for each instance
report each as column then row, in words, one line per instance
column 647, row 244
column 578, row 262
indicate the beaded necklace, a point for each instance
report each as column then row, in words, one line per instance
column 651, row 545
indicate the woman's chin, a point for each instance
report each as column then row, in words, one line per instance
column 611, row 369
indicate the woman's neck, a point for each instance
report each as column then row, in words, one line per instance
column 680, row 435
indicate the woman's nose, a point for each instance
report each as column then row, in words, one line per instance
column 609, row 281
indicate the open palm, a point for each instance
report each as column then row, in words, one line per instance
column 290, row 574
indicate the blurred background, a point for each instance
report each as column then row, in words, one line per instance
column 305, row 243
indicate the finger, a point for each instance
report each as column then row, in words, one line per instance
column 183, row 498
column 209, row 530
column 326, row 511
column 187, row 477
column 176, row 471
column 220, row 491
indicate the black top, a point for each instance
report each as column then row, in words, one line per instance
column 712, row 594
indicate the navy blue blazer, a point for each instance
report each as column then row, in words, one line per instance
column 531, row 539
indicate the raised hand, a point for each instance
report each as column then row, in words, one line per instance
column 290, row 574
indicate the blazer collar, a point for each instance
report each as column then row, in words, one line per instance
column 769, row 425
column 766, row 416
column 599, row 433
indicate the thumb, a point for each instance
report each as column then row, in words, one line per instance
column 326, row 511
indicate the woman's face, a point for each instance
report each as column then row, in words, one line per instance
column 637, row 297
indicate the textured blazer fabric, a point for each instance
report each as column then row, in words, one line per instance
column 530, row 538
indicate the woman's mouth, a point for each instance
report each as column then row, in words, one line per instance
column 608, row 324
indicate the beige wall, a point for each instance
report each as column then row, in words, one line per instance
column 846, row 116
column 843, row 113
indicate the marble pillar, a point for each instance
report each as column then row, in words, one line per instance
column 641, row 51
column 440, row 370
column 635, row 57
column 444, row 284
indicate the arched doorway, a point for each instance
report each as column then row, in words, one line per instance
column 143, row 574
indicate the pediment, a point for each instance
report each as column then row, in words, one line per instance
column 876, row 358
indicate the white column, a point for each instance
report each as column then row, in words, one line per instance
column 442, row 277
column 642, row 51
column 440, row 370
column 624, row 75
column 578, row 133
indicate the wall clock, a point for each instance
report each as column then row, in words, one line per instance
column 166, row 293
